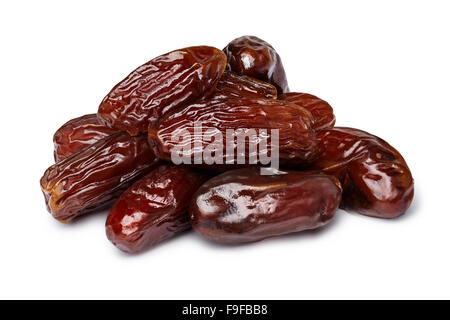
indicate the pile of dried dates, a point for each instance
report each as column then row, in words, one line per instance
column 153, row 157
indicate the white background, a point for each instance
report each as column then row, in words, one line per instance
column 383, row 65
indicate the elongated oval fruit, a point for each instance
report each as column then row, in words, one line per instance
column 322, row 112
column 96, row 175
column 162, row 84
column 241, row 205
column 218, row 134
column 232, row 85
column 154, row 208
column 254, row 57
column 78, row 133
column 375, row 178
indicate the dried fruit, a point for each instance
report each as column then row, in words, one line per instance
column 232, row 85
column 241, row 205
column 375, row 178
column 96, row 175
column 154, row 208
column 78, row 133
column 321, row 111
column 162, row 84
column 256, row 58
column 228, row 123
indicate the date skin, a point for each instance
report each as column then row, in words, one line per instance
column 241, row 206
column 154, row 208
column 297, row 141
column 322, row 112
column 78, row 133
column 253, row 57
column 162, row 84
column 96, row 175
column 375, row 178
column 232, row 85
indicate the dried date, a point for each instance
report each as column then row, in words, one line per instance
column 154, row 208
column 96, row 175
column 164, row 83
column 321, row 111
column 242, row 206
column 218, row 130
column 253, row 57
column 78, row 133
column 375, row 178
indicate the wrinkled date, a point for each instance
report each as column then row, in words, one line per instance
column 164, row 83
column 216, row 132
column 78, row 133
column 256, row 58
column 94, row 176
column 375, row 178
column 241, row 205
column 154, row 208
column 321, row 111
column 232, row 85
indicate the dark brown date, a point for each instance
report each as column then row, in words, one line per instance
column 154, row 208
column 78, row 133
column 241, row 205
column 375, row 178
column 321, row 111
column 96, row 175
column 164, row 83
column 232, row 85
column 179, row 132
column 256, row 58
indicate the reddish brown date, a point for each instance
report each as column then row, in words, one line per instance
column 180, row 133
column 232, row 85
column 321, row 111
column 96, row 175
column 375, row 178
column 154, row 208
column 256, row 58
column 241, row 205
column 164, row 83
column 78, row 133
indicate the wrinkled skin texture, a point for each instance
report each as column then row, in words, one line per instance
column 297, row 142
column 232, row 85
column 93, row 177
column 154, row 208
column 242, row 206
column 78, row 133
column 162, row 84
column 322, row 112
column 256, row 58
column 375, row 178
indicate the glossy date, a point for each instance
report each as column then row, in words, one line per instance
column 375, row 178
column 322, row 112
column 154, row 208
column 253, row 57
column 162, row 84
column 78, row 133
column 96, row 175
column 228, row 123
column 242, row 206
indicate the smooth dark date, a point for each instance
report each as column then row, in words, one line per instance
column 322, row 112
column 154, row 208
column 375, row 178
column 243, row 116
column 78, row 133
column 96, row 175
column 253, row 57
column 242, row 206
column 162, row 84
column 232, row 85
